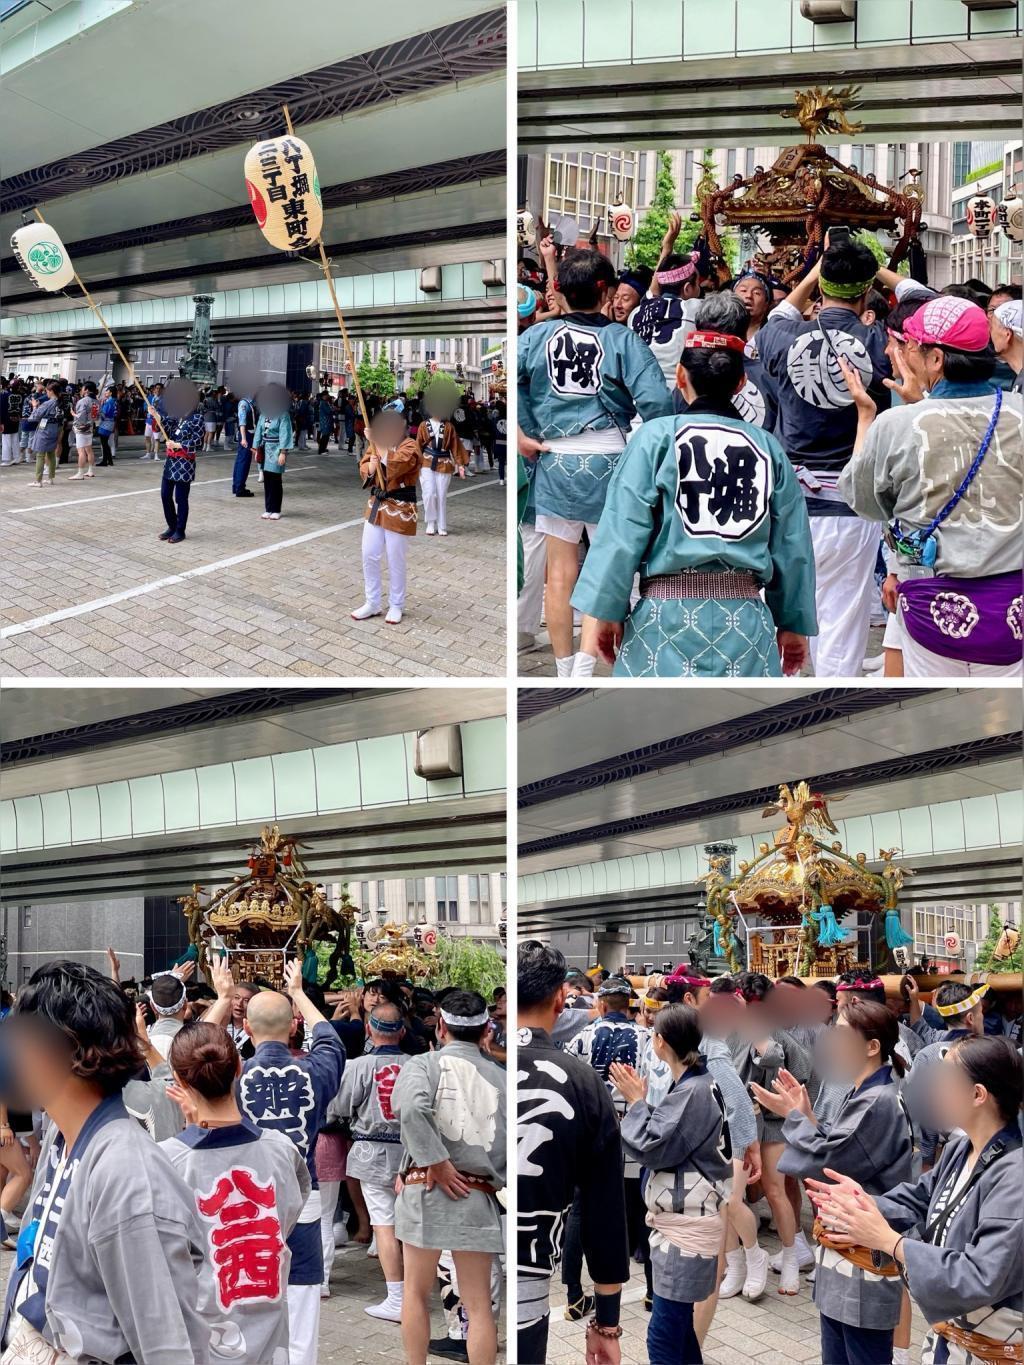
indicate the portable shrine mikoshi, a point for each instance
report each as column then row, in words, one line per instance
column 802, row 887
column 269, row 914
column 396, row 952
column 806, row 192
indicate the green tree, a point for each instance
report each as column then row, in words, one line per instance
column 365, row 369
column 645, row 248
column 465, row 963
column 418, row 382
column 382, row 381
column 987, row 961
column 877, row 250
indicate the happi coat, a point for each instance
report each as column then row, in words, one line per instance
column 870, row 1141
column 392, row 501
column 433, row 438
column 582, row 380
column 249, row 1185
column 702, row 492
column 451, row 1105
column 367, row 1098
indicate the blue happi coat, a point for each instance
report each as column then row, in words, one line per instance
column 578, row 374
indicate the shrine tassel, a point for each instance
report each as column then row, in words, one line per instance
column 829, row 933
column 895, row 934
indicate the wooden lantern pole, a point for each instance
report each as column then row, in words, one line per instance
column 113, row 341
column 325, row 266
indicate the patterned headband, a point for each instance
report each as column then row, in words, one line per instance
column 465, row 1020
column 680, row 272
column 167, row 1010
column 386, row 1025
column 714, row 341
column 962, row 1006
column 860, row 985
column 653, row 1005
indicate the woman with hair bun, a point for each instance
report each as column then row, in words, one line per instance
column 249, row 1184
column 954, row 1235
column 871, row 1141
column 707, row 508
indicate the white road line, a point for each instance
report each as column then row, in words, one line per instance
column 83, row 608
column 137, row 493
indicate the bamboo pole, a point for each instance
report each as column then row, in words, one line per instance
column 113, row 341
column 325, row 266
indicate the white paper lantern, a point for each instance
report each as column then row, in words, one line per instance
column 953, row 944
column 622, row 220
column 284, row 191
column 981, row 212
column 526, row 228
column 1011, row 217
column 43, row 256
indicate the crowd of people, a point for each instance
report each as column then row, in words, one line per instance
column 182, row 1164
column 776, row 466
column 883, row 1137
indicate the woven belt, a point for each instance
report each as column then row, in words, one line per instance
column 984, row 1348
column 417, row 1175
column 672, row 586
column 858, row 1256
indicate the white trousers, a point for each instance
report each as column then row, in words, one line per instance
column 303, row 1323
column 329, row 1191
column 435, row 497
column 11, row 449
column 376, row 543
column 845, row 549
column 919, row 662
column 535, row 562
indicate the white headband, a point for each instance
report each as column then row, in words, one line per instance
column 167, row 1010
column 465, row 1021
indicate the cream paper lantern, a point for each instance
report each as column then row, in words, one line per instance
column 284, row 191
column 622, row 220
column 43, row 256
column 981, row 212
column 526, row 228
column 1011, row 217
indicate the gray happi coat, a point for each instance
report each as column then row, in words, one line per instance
column 784, row 1051
column 367, row 1097
column 126, row 1260
column 684, row 1147
column 869, row 1141
column 451, row 1105
column 244, row 1284
column 970, row 1272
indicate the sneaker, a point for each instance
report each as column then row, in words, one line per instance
column 364, row 612
column 36, row 483
column 265, row 516
column 394, row 616
column 756, row 1274
column 735, row 1274
column 580, row 1309
column 875, row 664
column 275, row 516
column 448, row 1348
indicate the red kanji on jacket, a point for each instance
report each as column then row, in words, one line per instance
column 246, row 1245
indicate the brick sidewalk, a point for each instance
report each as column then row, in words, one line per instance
column 282, row 613
column 772, row 1331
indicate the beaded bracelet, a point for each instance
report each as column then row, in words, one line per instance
column 612, row 1333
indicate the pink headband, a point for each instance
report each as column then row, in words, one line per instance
column 860, row 985
column 680, row 272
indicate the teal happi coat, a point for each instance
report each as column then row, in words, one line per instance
column 702, row 491
column 583, row 373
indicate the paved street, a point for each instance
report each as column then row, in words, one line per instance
column 772, row 1331
column 91, row 591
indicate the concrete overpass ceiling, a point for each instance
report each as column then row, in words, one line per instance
column 407, row 124
column 465, row 834
column 933, row 91
column 124, row 734
column 888, row 751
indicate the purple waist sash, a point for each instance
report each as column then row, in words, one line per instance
column 974, row 620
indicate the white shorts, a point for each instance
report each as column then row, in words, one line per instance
column 83, row 440
column 893, row 637
column 380, row 1204
column 209, row 426
column 572, row 531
